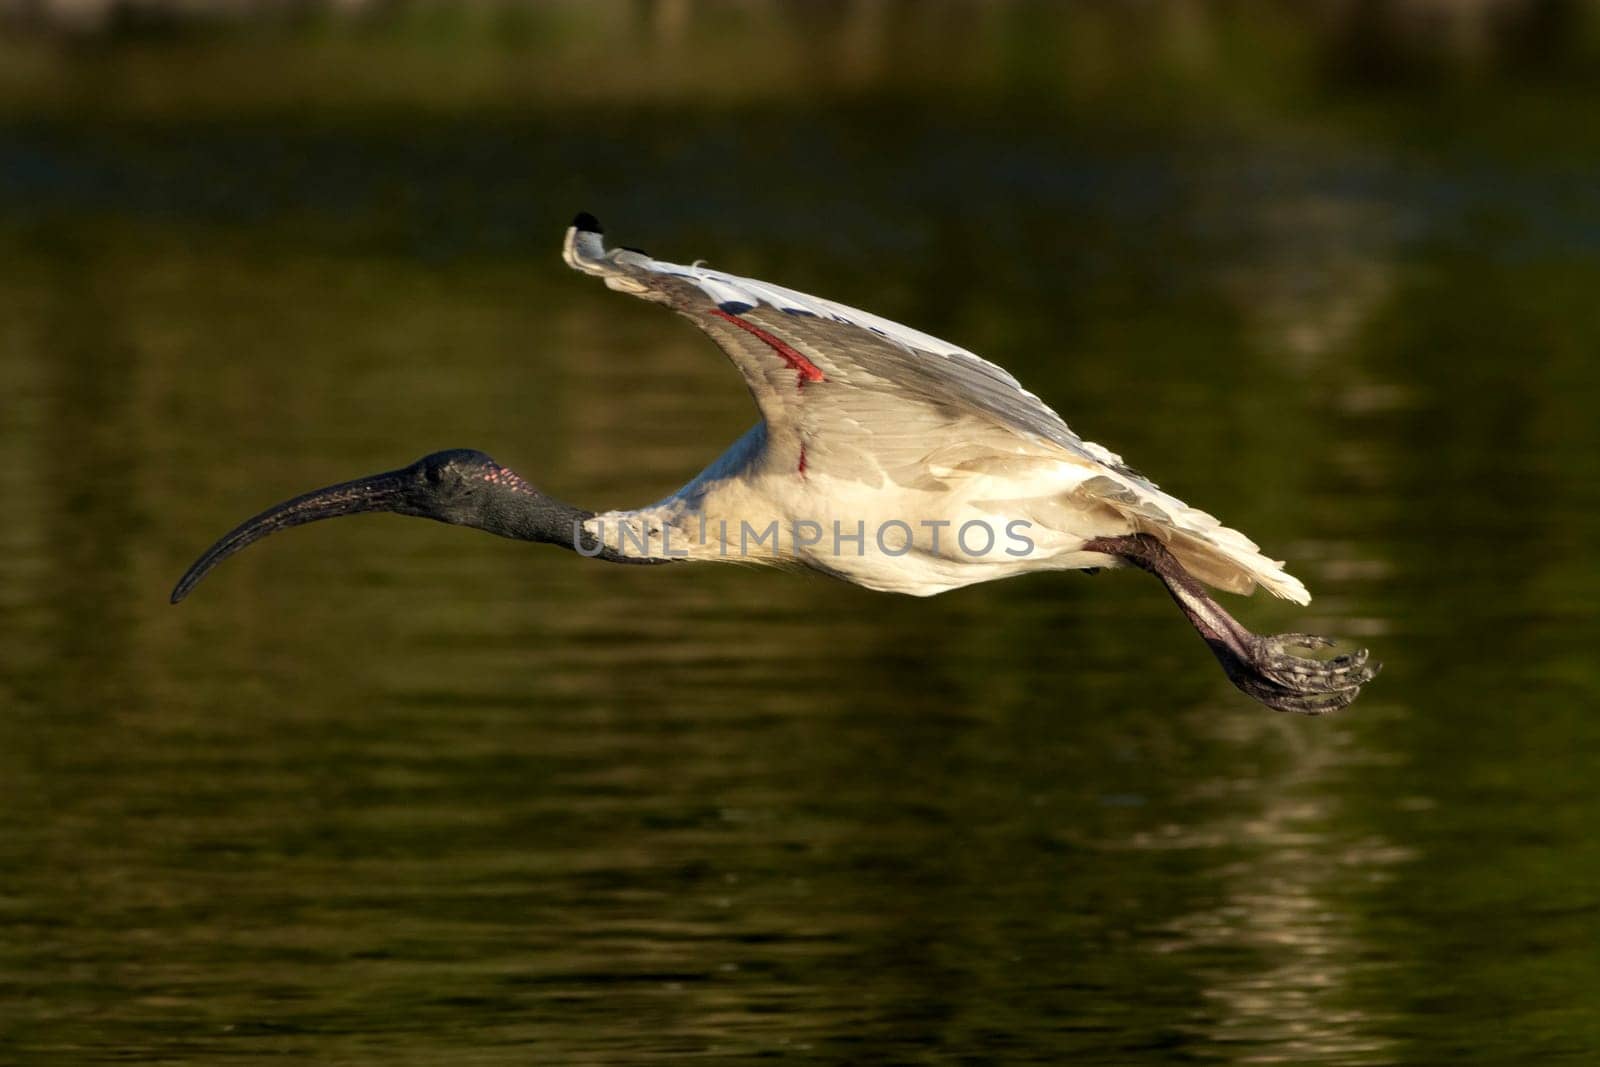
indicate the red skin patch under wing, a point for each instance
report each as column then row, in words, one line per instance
column 808, row 371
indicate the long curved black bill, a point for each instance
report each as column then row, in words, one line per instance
column 379, row 492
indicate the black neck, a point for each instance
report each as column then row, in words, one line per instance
column 538, row 517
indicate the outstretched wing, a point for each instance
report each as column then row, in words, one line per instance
column 846, row 392
column 813, row 364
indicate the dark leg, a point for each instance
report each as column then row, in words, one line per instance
column 1263, row 667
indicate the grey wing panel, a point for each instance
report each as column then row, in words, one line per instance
column 955, row 382
column 754, row 322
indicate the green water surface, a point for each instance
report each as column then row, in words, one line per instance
column 388, row 792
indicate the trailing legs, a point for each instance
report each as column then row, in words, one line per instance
column 1269, row 668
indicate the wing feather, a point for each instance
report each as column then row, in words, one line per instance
column 852, row 347
column 877, row 392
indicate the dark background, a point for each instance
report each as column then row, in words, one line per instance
column 388, row 792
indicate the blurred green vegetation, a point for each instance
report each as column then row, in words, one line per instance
column 1174, row 61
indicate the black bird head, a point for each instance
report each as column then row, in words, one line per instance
column 464, row 487
column 460, row 486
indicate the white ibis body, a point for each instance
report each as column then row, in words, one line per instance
column 884, row 457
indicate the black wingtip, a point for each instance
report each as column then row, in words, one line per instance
column 587, row 223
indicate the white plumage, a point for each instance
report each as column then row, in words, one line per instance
column 895, row 426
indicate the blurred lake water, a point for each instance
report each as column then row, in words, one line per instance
column 386, row 791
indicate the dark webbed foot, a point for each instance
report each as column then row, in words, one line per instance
column 1279, row 670
column 1275, row 670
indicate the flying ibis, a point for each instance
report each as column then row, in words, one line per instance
column 884, row 457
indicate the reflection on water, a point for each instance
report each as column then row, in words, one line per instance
column 1282, row 903
column 385, row 790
